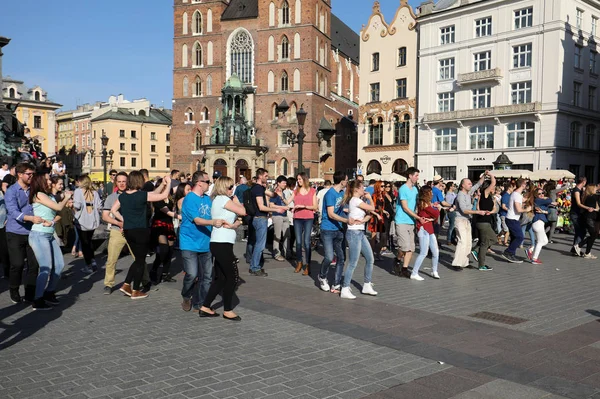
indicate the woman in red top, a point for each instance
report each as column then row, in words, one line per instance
column 378, row 237
column 305, row 205
column 427, row 240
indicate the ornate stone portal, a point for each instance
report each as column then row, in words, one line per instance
column 231, row 146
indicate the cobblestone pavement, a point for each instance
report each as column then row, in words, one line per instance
column 414, row 340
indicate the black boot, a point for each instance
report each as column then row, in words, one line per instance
column 15, row 297
column 29, row 293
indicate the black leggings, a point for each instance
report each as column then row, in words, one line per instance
column 138, row 241
column 589, row 241
column 4, row 259
column 85, row 237
column 224, row 278
column 163, row 256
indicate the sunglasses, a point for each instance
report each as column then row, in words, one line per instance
column 113, row 174
column 231, row 187
column 28, row 173
column 204, row 181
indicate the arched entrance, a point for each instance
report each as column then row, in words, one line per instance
column 374, row 167
column 399, row 166
column 221, row 166
column 242, row 169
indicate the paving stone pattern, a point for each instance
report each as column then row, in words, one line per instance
column 415, row 340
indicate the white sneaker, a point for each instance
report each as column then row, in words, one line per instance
column 577, row 249
column 368, row 289
column 435, row 275
column 347, row 293
column 324, row 284
column 416, row 277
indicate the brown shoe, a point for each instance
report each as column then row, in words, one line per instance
column 306, row 270
column 126, row 289
column 139, row 294
column 298, row 267
column 186, row 305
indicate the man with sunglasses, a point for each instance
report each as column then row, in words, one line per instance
column 110, row 186
column 18, row 226
column 194, row 242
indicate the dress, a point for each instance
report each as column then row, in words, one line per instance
column 162, row 224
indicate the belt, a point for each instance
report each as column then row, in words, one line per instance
column 261, row 217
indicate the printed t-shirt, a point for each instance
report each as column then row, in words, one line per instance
column 191, row 236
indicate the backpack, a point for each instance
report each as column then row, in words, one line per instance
column 249, row 204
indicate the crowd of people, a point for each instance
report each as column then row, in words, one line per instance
column 41, row 218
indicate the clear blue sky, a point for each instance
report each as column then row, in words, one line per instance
column 84, row 51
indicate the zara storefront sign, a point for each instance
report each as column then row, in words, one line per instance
column 385, row 159
column 479, row 159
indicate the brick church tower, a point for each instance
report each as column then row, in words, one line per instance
column 236, row 61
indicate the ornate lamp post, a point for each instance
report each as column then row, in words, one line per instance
column 104, row 140
column 359, row 167
column 299, row 138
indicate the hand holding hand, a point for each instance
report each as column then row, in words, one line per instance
column 218, row 223
column 47, row 223
column 37, row 220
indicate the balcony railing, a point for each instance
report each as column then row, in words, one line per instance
column 494, row 74
column 483, row 112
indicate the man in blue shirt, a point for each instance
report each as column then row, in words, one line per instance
column 406, row 215
column 437, row 189
column 241, row 188
column 194, row 242
column 505, row 199
column 332, row 232
column 18, row 226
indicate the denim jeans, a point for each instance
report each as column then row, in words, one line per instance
column 527, row 228
column 358, row 243
column 578, row 222
column 260, row 225
column 303, row 228
column 333, row 242
column 196, row 264
column 516, row 235
column 451, row 225
column 50, row 259
column 427, row 242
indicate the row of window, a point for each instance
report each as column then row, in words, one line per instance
column 12, row 93
column 197, row 22
column 579, row 21
column 133, row 135
column 576, row 133
column 401, row 130
column 133, row 162
column 520, row 93
column 197, row 55
column 401, row 90
column 198, row 88
column 400, row 59
column 519, row 134
column 578, row 60
column 523, row 18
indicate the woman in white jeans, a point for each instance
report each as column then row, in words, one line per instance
column 426, row 233
column 541, row 203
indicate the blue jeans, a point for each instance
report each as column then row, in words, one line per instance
column 196, row 264
column 260, row 225
column 303, row 228
column 516, row 235
column 427, row 242
column 358, row 243
column 51, row 261
column 451, row 224
column 526, row 228
column 333, row 241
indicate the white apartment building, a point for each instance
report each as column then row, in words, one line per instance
column 518, row 77
column 388, row 91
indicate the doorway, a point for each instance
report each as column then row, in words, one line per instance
column 242, row 169
column 221, row 166
column 476, row 171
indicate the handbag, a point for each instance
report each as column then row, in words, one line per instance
column 552, row 215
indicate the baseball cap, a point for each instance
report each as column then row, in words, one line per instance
column 217, row 174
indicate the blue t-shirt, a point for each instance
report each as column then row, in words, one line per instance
column 334, row 199
column 239, row 192
column 438, row 195
column 277, row 200
column 370, row 190
column 191, row 236
column 504, row 201
column 410, row 196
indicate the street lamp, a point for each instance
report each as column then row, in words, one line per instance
column 299, row 138
column 104, row 140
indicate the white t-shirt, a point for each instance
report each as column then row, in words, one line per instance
column 512, row 214
column 56, row 169
column 3, row 173
column 355, row 212
column 320, row 197
column 218, row 211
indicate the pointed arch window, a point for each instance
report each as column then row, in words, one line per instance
column 284, row 81
column 209, row 85
column 197, row 23
column 198, row 140
column 185, row 23
column 184, row 56
column 197, row 54
column 204, row 114
column 198, row 87
column 185, row 86
column 241, row 53
column 189, row 115
column 285, row 13
column 285, row 48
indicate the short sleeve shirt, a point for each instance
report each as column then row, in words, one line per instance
column 191, row 236
column 108, row 204
column 410, row 196
column 334, row 199
column 133, row 209
column 256, row 191
column 504, row 201
column 438, row 196
column 515, row 197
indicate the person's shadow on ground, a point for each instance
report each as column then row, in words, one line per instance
column 32, row 321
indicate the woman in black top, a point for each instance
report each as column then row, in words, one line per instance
column 590, row 200
column 131, row 208
column 487, row 235
column 163, row 237
column 389, row 211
